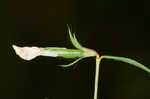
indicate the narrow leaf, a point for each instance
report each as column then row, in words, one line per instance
column 74, row 40
column 78, row 45
column 127, row 60
column 72, row 63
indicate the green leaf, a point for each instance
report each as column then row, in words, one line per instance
column 127, row 60
column 72, row 63
column 74, row 40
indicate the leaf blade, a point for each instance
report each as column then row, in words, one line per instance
column 72, row 63
column 129, row 61
column 74, row 40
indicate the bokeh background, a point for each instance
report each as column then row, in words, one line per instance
column 112, row 27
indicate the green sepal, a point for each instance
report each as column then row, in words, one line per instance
column 72, row 63
column 74, row 40
column 127, row 60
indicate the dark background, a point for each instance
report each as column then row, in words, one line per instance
column 112, row 27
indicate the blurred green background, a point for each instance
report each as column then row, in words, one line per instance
column 112, row 27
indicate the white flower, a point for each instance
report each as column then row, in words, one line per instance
column 29, row 53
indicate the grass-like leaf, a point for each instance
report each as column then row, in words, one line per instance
column 127, row 60
column 72, row 63
column 74, row 40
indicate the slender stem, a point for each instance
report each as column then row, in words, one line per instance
column 96, row 77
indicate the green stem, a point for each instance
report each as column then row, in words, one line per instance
column 122, row 59
column 98, row 60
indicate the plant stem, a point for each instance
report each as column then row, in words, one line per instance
column 98, row 60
